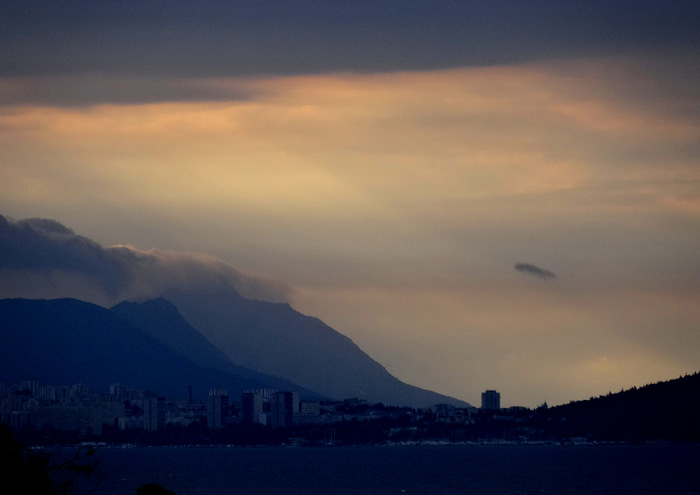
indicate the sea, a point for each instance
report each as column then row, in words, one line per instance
column 400, row 469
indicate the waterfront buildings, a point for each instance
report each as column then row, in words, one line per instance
column 77, row 408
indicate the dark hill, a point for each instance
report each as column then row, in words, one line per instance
column 661, row 411
column 65, row 341
column 40, row 258
column 162, row 321
column 275, row 339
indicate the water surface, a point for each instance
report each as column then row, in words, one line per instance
column 446, row 469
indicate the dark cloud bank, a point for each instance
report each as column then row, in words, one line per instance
column 133, row 51
column 212, row 38
column 41, row 258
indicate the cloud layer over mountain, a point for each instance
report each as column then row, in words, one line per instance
column 40, row 258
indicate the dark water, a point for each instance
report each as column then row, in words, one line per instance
column 446, row 469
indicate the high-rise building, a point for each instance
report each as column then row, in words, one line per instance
column 296, row 400
column 251, row 407
column 153, row 413
column 282, row 409
column 217, row 405
column 490, row 400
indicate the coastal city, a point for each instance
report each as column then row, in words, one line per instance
column 255, row 417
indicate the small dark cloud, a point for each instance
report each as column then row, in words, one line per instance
column 536, row 271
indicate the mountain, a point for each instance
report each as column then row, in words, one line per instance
column 42, row 259
column 661, row 411
column 67, row 341
column 275, row 339
column 162, row 321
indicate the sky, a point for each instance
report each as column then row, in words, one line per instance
column 481, row 195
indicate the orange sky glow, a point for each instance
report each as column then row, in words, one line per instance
column 395, row 206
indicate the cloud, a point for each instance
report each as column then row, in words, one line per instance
column 69, row 90
column 529, row 269
column 218, row 38
column 41, row 258
column 45, row 246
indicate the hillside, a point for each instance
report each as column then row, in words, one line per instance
column 661, row 411
column 65, row 341
column 244, row 317
column 162, row 321
column 275, row 339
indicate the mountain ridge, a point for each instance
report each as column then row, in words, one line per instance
column 275, row 339
column 242, row 315
column 71, row 341
column 161, row 320
column 61, row 338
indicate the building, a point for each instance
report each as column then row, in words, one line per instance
column 153, row 413
column 281, row 409
column 252, row 407
column 83, row 418
column 490, row 400
column 296, row 401
column 309, row 412
column 217, row 405
column 30, row 385
column 308, row 407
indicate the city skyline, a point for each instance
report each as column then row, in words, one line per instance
column 480, row 196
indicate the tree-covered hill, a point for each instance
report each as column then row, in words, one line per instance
column 661, row 411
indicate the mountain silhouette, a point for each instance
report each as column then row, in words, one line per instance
column 65, row 341
column 275, row 339
column 162, row 321
column 42, row 259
